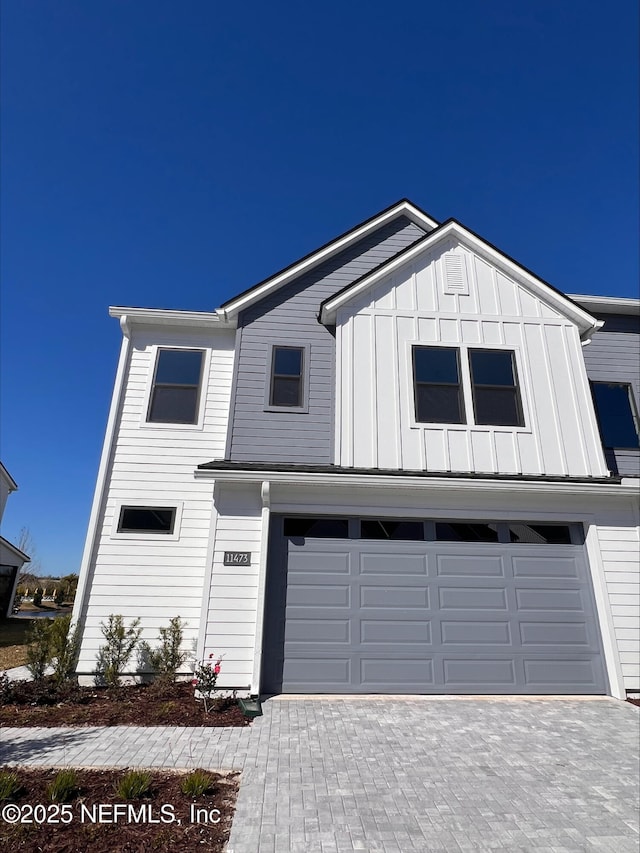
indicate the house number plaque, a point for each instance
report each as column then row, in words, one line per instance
column 237, row 558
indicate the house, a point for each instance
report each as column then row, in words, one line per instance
column 12, row 559
column 380, row 470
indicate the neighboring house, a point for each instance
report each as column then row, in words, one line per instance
column 379, row 471
column 12, row 559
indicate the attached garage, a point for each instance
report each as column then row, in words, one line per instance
column 429, row 606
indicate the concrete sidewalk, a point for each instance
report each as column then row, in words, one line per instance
column 334, row 775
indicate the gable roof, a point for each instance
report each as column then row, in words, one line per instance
column 451, row 227
column 230, row 309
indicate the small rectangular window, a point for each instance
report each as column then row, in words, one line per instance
column 494, row 385
column 146, row 519
column 385, row 528
column 176, row 387
column 437, row 389
column 615, row 413
column 286, row 377
column 540, row 534
column 317, row 528
column 466, row 531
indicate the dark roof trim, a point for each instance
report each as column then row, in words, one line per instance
column 286, row 467
column 430, row 236
column 325, row 246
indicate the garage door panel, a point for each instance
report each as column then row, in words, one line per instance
column 465, row 632
column 466, row 565
column 368, row 616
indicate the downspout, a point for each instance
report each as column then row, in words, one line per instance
column 265, row 494
column 99, row 495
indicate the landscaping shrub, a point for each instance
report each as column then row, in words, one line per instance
column 120, row 643
column 167, row 659
column 134, row 785
column 39, row 649
column 58, row 598
column 64, row 786
column 205, row 676
column 64, row 645
column 9, row 786
column 37, row 597
column 6, row 689
column 197, row 783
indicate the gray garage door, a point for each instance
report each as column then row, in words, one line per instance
column 353, row 615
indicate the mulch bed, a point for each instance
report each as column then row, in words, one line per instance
column 635, row 700
column 135, row 826
column 136, row 705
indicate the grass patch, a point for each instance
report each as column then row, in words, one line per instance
column 13, row 642
column 9, row 785
column 197, row 783
column 64, row 786
column 134, row 785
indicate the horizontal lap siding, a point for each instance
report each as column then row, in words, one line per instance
column 620, row 550
column 152, row 578
column 233, row 598
column 615, row 357
column 291, row 315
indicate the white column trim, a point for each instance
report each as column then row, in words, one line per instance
column 265, row 494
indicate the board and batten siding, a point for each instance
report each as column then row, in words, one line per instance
column 619, row 539
column 153, row 577
column 375, row 425
column 290, row 315
column 231, row 613
column 614, row 356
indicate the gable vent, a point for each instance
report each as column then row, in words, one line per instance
column 455, row 278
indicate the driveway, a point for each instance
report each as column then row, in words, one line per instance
column 331, row 775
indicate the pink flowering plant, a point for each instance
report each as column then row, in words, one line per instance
column 205, row 676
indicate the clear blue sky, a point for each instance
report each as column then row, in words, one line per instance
column 172, row 154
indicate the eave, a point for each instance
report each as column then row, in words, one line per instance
column 586, row 323
column 12, row 548
column 13, row 486
column 129, row 317
column 608, row 304
column 233, row 307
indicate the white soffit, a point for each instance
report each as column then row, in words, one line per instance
column 167, row 317
column 585, row 322
column 607, row 304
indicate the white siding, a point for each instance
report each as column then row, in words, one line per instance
column 620, row 552
column 147, row 576
column 412, row 306
column 233, row 596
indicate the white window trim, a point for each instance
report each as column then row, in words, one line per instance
column 202, row 391
column 306, row 358
column 467, row 391
column 148, row 536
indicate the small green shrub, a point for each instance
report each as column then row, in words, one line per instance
column 197, row 783
column 9, row 786
column 64, row 645
column 115, row 654
column 134, row 785
column 37, row 597
column 64, row 786
column 39, row 648
column 167, row 659
column 58, row 598
column 6, row 689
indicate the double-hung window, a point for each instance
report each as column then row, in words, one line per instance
column 494, row 384
column 614, row 408
column 287, row 377
column 175, row 394
column 438, row 391
column 438, row 387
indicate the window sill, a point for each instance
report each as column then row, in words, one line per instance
column 473, row 427
column 298, row 410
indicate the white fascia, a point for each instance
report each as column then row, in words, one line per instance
column 585, row 322
column 607, row 304
column 6, row 476
column 403, row 208
column 166, row 317
column 449, row 484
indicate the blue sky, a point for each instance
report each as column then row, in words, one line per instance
column 172, row 154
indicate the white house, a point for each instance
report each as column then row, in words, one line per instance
column 404, row 464
column 12, row 558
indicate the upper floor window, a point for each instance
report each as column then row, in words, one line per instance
column 496, row 397
column 287, row 371
column 614, row 408
column 176, row 387
column 438, row 391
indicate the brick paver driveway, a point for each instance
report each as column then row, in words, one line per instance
column 327, row 775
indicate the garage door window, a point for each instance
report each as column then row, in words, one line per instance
column 540, row 534
column 317, row 528
column 468, row 531
column 387, row 528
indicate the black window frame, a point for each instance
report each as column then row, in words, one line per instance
column 459, row 384
column 301, row 405
column 137, row 531
column 482, row 386
column 632, row 410
column 155, row 385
